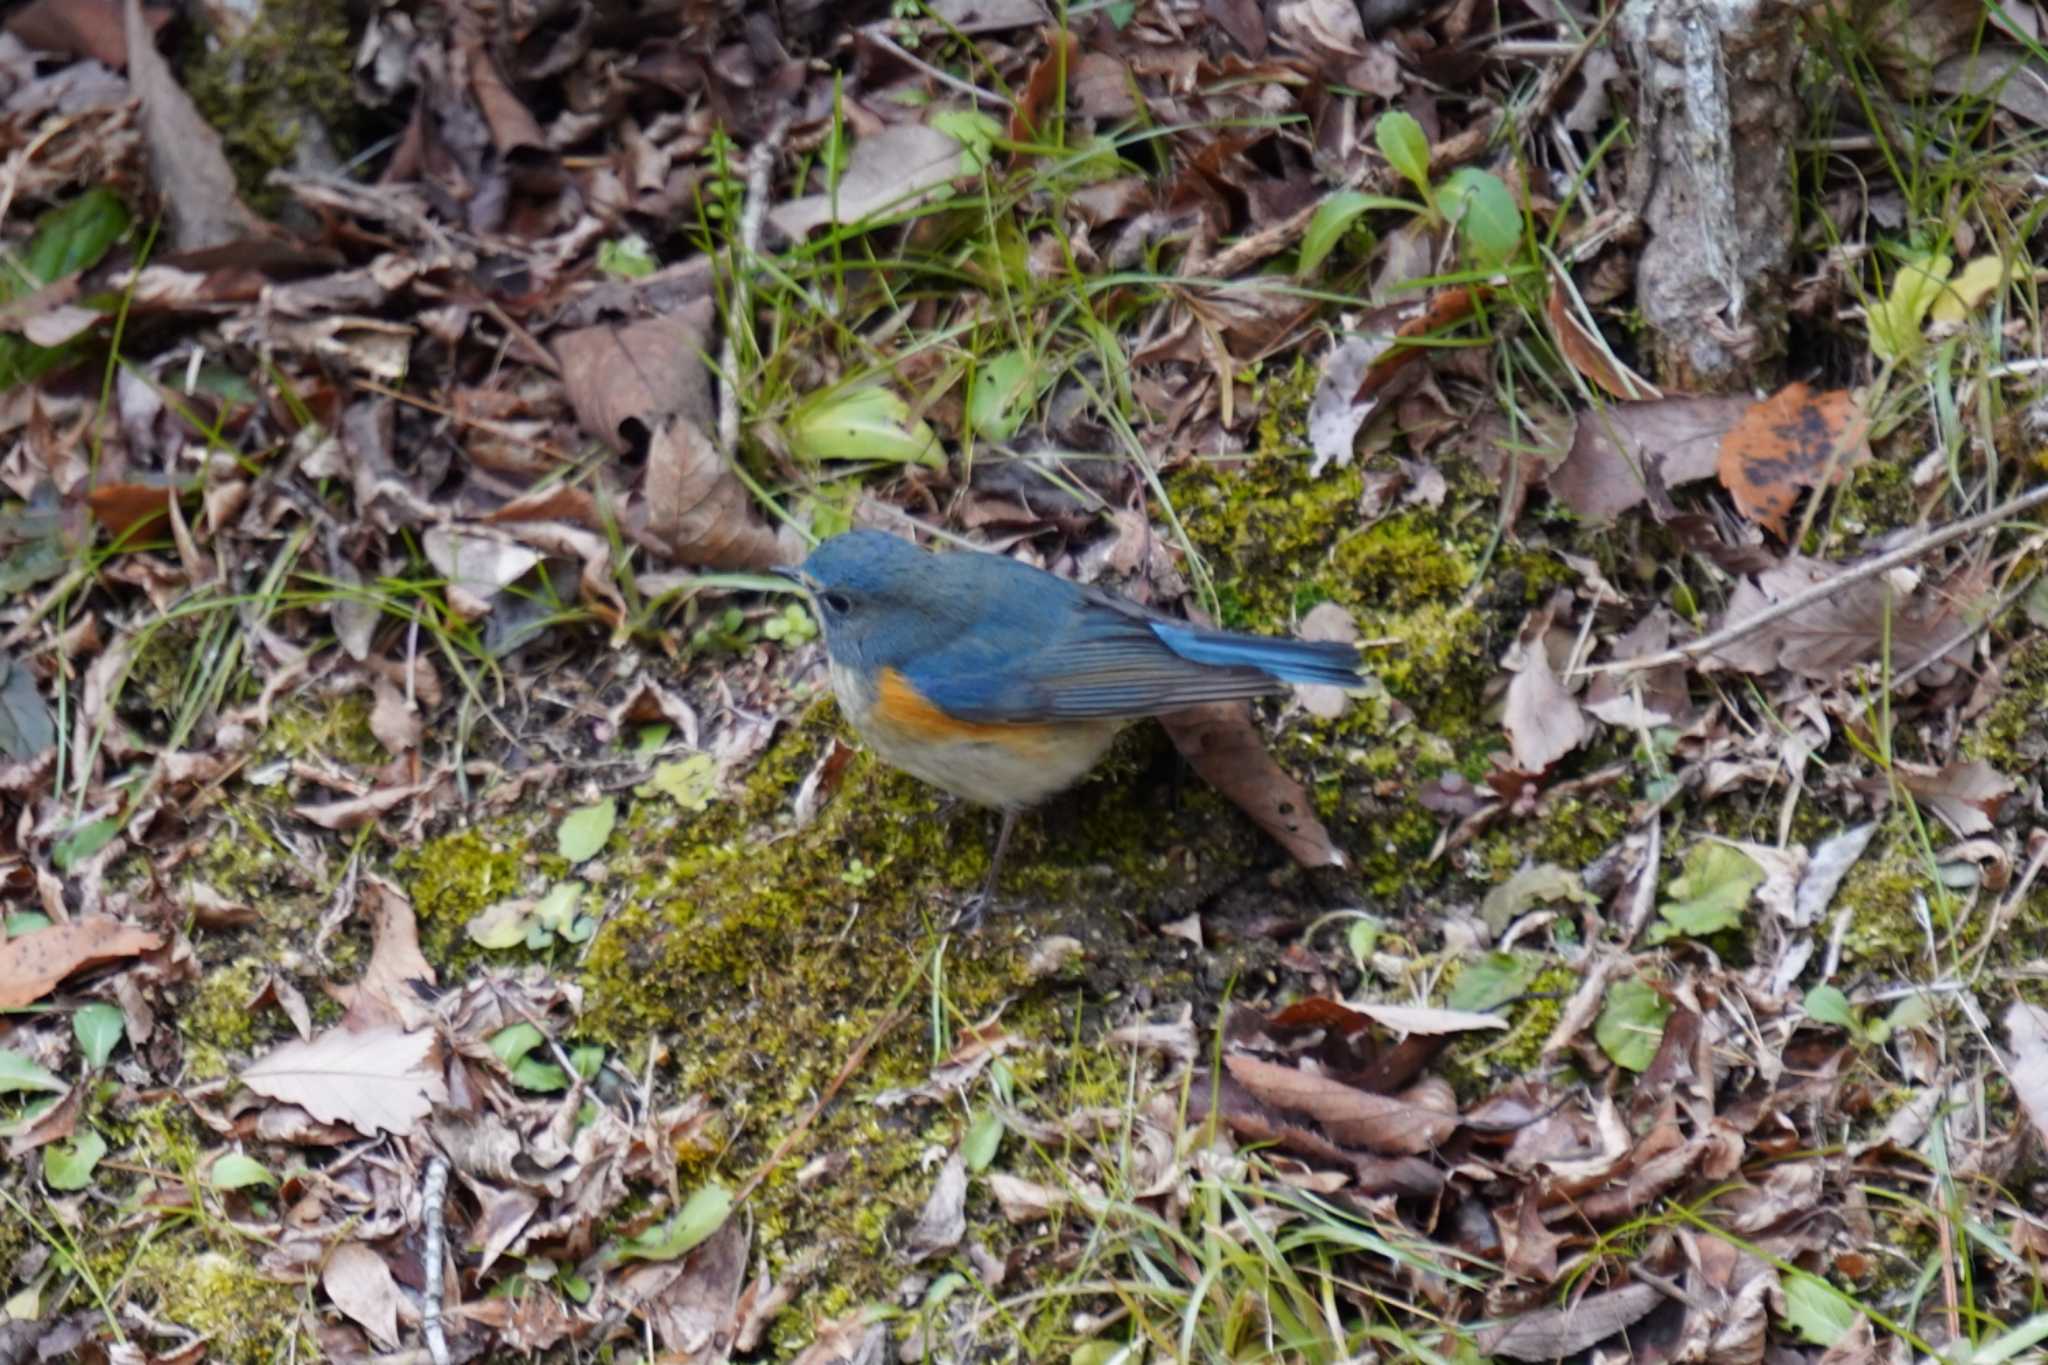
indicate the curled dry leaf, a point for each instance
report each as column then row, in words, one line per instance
column 1554, row 1333
column 943, row 1222
column 1847, row 628
column 1220, row 742
column 31, row 964
column 1792, row 441
column 1416, row 1121
column 1587, row 350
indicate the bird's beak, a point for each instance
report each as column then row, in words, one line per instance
column 795, row 574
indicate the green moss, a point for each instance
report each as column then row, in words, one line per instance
column 285, row 79
column 249, row 1318
column 2010, row 736
column 217, row 1024
column 453, row 877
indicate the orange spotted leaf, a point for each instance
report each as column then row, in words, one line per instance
column 1792, row 441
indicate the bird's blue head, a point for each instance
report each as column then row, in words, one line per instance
column 878, row 597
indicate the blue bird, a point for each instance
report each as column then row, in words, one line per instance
column 1004, row 684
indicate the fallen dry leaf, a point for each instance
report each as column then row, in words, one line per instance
column 1220, row 742
column 381, row 1079
column 360, row 1284
column 1553, row 1333
column 1587, row 352
column 1603, row 474
column 187, row 164
column 32, row 964
column 887, row 171
column 645, row 385
column 1416, row 1121
column 943, row 1222
column 1542, row 718
column 1792, row 441
column 1967, row 796
column 2026, row 1033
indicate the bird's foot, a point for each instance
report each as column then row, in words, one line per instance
column 973, row 911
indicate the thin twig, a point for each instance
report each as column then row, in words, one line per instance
column 753, row 213
column 874, row 34
column 433, row 1192
column 1820, row 592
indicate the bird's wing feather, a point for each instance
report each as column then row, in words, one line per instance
column 1103, row 664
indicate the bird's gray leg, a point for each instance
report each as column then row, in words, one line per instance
column 971, row 913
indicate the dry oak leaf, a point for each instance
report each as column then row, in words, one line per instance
column 360, row 1284
column 1792, row 441
column 32, row 964
column 380, row 1079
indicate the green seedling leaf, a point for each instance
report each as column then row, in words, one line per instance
column 1895, row 322
column 1361, row 937
column 584, row 831
column 1488, row 218
column 26, row 728
column 1492, row 981
column 1334, row 217
column 984, row 1138
column 587, row 1059
column 1003, row 389
column 1909, row 1014
column 81, row 843
column 511, row 1043
column 98, row 1028
column 1828, row 1005
column 1631, row 1024
column 502, row 924
column 75, row 236
column 557, row 909
column 702, row 1214
column 19, row 1073
column 1402, row 143
column 1815, row 1309
column 976, row 133
column 1710, row 895
column 689, row 782
column 867, row 423
column 532, row 1073
column 69, row 1165
column 25, row 922
column 629, row 258
column 237, row 1172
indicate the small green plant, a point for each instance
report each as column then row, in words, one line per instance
column 1475, row 203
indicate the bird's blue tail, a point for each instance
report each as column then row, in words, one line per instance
column 1295, row 661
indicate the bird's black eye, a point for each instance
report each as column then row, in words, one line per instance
column 836, row 603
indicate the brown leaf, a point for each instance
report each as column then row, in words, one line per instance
column 647, row 383
column 1967, row 796
column 80, row 28
column 360, row 1284
column 1588, row 352
column 1847, row 628
column 187, row 164
column 1553, row 1333
column 1543, row 720
column 1603, row 475
column 888, row 171
column 358, row 811
column 1792, row 441
column 1220, row 742
column 1403, row 1125
column 943, row 1222
column 380, row 1079
column 130, row 511
column 31, row 964
column 2026, row 1033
